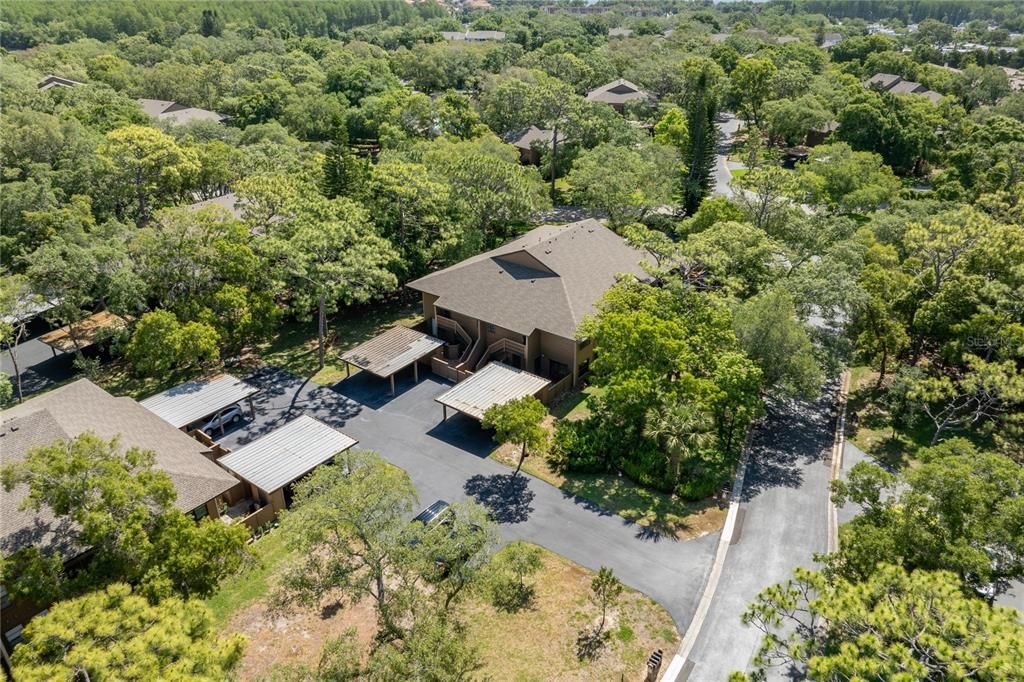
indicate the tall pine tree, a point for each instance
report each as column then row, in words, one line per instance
column 702, row 78
column 345, row 174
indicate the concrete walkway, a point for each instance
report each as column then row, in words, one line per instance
column 448, row 460
column 782, row 524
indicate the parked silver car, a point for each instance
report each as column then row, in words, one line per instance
column 230, row 415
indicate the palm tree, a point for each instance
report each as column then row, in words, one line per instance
column 682, row 429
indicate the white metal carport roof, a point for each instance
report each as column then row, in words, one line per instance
column 495, row 384
column 286, row 454
column 190, row 402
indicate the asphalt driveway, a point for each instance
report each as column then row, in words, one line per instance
column 448, row 460
column 783, row 524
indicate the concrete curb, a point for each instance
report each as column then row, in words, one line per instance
column 679, row 661
column 838, row 441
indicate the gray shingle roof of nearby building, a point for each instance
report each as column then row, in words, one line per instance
column 287, row 454
column 391, row 351
column 907, row 88
column 81, row 406
column 617, row 92
column 192, row 401
column 176, row 113
column 883, row 80
column 620, row 32
column 51, row 81
column 495, row 384
column 524, row 139
column 548, row 279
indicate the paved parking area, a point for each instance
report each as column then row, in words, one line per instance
column 448, row 460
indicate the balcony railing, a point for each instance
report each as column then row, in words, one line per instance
column 502, row 346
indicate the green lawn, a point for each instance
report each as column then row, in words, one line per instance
column 295, row 347
column 738, row 172
column 238, row 591
column 575, row 405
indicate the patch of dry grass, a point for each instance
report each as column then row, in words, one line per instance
column 538, row 643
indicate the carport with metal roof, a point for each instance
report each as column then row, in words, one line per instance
column 195, row 400
column 495, row 384
column 285, row 455
column 390, row 352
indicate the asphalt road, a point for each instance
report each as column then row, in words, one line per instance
column 784, row 523
column 37, row 365
column 448, row 460
column 726, row 131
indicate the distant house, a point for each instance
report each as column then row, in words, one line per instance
column 819, row 134
column 527, row 141
column 178, row 114
column 51, row 81
column 620, row 32
column 1016, row 78
column 473, row 36
column 228, row 201
column 522, row 303
column 65, row 413
column 617, row 93
column 830, row 40
column 890, row 82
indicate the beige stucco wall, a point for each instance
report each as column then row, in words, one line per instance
column 496, row 333
column 428, row 305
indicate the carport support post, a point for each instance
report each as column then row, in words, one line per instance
column 444, row 411
column 416, row 372
column 392, row 384
column 252, row 407
column 348, row 370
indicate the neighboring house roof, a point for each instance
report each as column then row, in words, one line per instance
column 524, row 139
column 391, row 351
column 894, row 84
column 82, row 334
column 192, row 401
column 831, row 40
column 907, row 88
column 617, row 92
column 70, row 411
column 495, row 384
column 287, row 454
column 549, row 279
column 51, row 81
column 227, row 201
column 784, row 40
column 829, row 127
column 883, row 80
column 177, row 113
column 620, row 32
column 473, row 35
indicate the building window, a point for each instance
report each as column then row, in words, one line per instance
column 441, row 312
column 13, row 636
column 200, row 512
column 491, row 328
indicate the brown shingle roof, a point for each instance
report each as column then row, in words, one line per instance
column 82, row 406
column 548, row 279
column 524, row 139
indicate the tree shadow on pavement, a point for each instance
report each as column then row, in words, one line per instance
column 507, row 496
column 796, row 433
